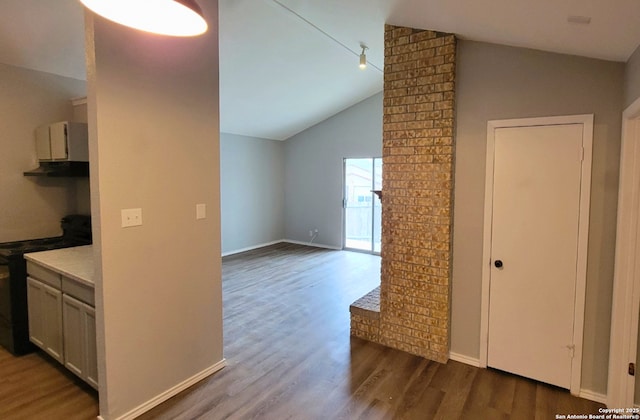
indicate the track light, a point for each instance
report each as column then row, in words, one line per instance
column 363, row 57
column 164, row 17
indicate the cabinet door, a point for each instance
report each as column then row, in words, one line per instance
column 52, row 314
column 80, row 339
column 58, row 136
column 43, row 144
column 90, row 346
column 73, row 335
column 35, row 290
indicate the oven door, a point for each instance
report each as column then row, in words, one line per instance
column 6, row 339
column 5, row 293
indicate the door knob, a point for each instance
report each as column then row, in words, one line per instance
column 498, row 263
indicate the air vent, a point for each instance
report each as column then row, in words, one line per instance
column 581, row 20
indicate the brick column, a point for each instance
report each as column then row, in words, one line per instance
column 417, row 210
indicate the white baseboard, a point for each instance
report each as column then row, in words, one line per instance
column 464, row 359
column 593, row 396
column 279, row 241
column 160, row 398
column 251, row 248
column 584, row 393
column 291, row 241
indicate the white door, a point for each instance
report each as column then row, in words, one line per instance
column 534, row 251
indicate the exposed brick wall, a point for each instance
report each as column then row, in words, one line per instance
column 365, row 327
column 365, row 316
column 417, row 185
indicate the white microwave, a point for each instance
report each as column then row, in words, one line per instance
column 62, row 141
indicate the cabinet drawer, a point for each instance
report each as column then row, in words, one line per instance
column 44, row 275
column 78, row 290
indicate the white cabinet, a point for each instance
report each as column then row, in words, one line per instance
column 62, row 141
column 62, row 320
column 45, row 317
column 80, row 339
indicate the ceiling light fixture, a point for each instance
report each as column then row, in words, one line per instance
column 363, row 57
column 164, row 17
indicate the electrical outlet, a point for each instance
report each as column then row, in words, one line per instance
column 131, row 217
column 310, row 233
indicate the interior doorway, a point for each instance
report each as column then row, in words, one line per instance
column 623, row 389
column 362, row 207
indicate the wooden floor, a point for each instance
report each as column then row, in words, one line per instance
column 290, row 356
column 34, row 387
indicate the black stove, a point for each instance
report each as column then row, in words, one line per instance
column 9, row 249
column 14, row 322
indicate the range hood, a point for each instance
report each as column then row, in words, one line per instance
column 60, row 169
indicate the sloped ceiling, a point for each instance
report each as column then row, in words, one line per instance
column 286, row 65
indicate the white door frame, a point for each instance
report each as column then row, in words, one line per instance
column 626, row 281
column 583, row 231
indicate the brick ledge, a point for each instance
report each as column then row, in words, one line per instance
column 368, row 306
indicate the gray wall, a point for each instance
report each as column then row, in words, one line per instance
column 632, row 78
column 498, row 82
column 32, row 207
column 154, row 144
column 251, row 190
column 314, row 169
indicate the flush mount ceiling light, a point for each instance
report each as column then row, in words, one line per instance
column 363, row 57
column 164, row 17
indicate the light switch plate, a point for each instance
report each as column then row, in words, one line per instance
column 201, row 211
column 131, row 217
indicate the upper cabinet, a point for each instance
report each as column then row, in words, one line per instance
column 62, row 141
column 62, row 149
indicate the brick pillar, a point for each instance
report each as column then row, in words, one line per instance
column 417, row 185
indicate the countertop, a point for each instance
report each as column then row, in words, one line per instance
column 75, row 263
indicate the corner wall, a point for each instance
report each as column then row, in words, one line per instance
column 499, row 82
column 251, row 191
column 314, row 169
column 32, row 206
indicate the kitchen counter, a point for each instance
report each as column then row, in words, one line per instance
column 75, row 263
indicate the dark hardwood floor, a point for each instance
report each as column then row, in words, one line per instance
column 290, row 356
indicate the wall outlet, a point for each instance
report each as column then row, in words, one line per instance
column 131, row 217
column 310, row 233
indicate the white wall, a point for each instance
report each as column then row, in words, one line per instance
column 251, row 191
column 32, row 206
column 154, row 144
column 632, row 78
column 498, row 82
column 314, row 169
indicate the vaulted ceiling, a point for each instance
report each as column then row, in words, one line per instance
column 286, row 65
